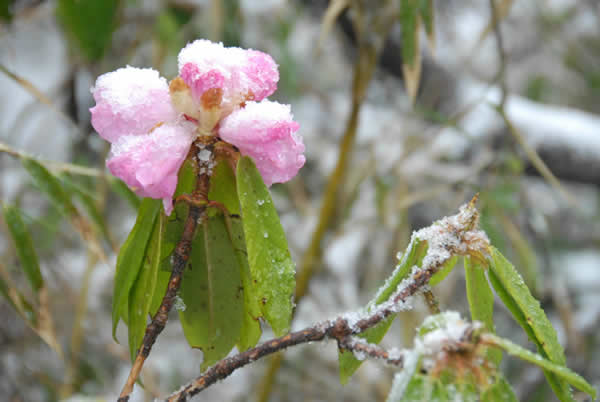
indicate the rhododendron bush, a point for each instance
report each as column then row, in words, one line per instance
column 198, row 153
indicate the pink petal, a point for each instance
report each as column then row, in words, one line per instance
column 198, row 81
column 244, row 73
column 130, row 101
column 149, row 163
column 266, row 132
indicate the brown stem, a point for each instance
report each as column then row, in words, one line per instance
column 339, row 329
column 179, row 262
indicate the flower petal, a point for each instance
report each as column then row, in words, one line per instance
column 242, row 74
column 130, row 101
column 266, row 132
column 149, row 164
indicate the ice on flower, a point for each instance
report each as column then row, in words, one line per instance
column 266, row 132
column 149, row 164
column 242, row 74
column 151, row 124
column 130, row 101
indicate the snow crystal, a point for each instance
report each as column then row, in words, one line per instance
column 204, row 155
column 179, row 304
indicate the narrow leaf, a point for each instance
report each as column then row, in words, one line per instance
column 24, row 246
column 271, row 265
column 561, row 371
column 426, row 10
column 212, row 293
column 444, row 271
column 48, row 184
column 481, row 301
column 416, row 250
column 131, row 258
column 142, row 291
column 528, row 313
column 411, row 54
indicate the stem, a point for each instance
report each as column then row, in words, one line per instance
column 339, row 329
column 180, row 258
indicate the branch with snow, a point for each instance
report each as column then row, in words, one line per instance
column 454, row 235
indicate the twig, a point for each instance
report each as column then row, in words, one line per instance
column 180, row 258
column 341, row 329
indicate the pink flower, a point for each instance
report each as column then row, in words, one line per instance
column 266, row 132
column 131, row 106
column 241, row 74
column 151, row 124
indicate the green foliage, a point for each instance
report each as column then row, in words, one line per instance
column 51, row 187
column 89, row 24
column 143, row 289
column 413, row 256
column 527, row 312
column 131, row 259
column 559, row 370
column 444, row 271
column 271, row 265
column 212, row 293
column 24, row 246
column 409, row 18
column 481, row 301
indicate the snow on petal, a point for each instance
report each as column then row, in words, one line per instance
column 149, row 163
column 242, row 74
column 266, row 132
column 130, row 101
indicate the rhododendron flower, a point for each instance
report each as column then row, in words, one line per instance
column 266, row 132
column 220, row 91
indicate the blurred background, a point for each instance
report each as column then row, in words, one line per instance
column 509, row 111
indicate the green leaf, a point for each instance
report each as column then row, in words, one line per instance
column 558, row 369
column 481, row 301
column 444, row 271
column 426, row 12
column 213, row 302
column 251, row 331
column 500, row 391
column 409, row 18
column 223, row 187
column 89, row 24
column 527, row 312
column 131, row 257
column 24, row 246
column 142, row 291
column 416, row 250
column 48, row 184
column 271, row 265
